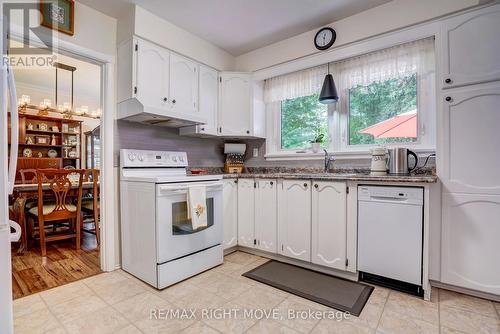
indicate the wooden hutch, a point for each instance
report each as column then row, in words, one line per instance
column 48, row 142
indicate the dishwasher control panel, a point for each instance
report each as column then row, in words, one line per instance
column 410, row 195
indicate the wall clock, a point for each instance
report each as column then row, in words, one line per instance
column 324, row 38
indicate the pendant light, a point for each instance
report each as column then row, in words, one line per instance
column 328, row 91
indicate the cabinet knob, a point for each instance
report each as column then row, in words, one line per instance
column 165, row 99
column 235, row 181
column 202, row 129
column 173, row 101
column 271, row 183
column 305, row 185
column 248, row 131
column 448, row 98
column 447, row 80
column 316, row 186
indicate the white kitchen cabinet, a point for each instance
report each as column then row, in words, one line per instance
column 470, row 48
column 208, row 103
column 235, row 110
column 246, row 212
column 183, row 84
column 294, row 212
column 230, row 215
column 470, row 139
column 329, row 224
column 470, row 247
column 153, row 72
column 266, row 215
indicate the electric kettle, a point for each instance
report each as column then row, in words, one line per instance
column 398, row 161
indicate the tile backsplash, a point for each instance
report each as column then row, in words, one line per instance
column 201, row 152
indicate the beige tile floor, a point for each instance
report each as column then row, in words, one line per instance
column 118, row 303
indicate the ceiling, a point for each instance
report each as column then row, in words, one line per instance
column 240, row 26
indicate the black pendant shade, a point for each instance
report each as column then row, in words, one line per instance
column 328, row 91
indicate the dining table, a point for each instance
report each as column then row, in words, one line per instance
column 29, row 192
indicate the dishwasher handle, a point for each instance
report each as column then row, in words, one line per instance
column 388, row 199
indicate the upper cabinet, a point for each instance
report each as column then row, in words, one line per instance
column 152, row 71
column 209, row 99
column 183, row 84
column 470, row 48
column 235, row 112
column 156, row 86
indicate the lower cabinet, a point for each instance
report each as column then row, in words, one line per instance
column 294, row 226
column 230, row 213
column 246, row 211
column 329, row 224
column 470, row 245
column 266, row 215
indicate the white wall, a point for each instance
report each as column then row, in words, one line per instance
column 385, row 18
column 157, row 30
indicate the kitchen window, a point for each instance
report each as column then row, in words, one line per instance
column 386, row 98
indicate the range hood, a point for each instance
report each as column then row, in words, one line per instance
column 135, row 111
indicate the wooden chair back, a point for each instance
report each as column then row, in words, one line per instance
column 60, row 192
column 28, row 176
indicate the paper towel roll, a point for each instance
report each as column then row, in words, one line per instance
column 235, row 148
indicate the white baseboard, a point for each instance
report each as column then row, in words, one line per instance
column 342, row 274
column 465, row 291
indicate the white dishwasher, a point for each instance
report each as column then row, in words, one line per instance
column 390, row 233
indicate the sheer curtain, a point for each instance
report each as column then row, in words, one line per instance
column 401, row 60
column 293, row 85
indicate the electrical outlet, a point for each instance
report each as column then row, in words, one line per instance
column 255, row 152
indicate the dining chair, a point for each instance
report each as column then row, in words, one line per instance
column 92, row 204
column 28, row 175
column 16, row 213
column 56, row 203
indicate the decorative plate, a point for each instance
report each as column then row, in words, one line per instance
column 27, row 153
column 52, row 153
column 43, row 127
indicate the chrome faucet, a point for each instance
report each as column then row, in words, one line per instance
column 328, row 160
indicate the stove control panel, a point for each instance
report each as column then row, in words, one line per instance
column 143, row 158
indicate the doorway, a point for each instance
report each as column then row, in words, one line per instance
column 60, row 128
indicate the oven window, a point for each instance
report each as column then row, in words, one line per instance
column 180, row 222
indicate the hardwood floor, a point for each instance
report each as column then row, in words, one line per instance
column 64, row 264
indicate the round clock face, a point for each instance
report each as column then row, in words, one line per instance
column 325, row 38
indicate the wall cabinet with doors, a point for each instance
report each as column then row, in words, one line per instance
column 470, row 48
column 241, row 113
column 154, row 80
column 230, row 213
column 208, row 104
column 294, row 212
column 329, row 224
column 246, row 212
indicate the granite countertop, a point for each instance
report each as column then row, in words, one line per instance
column 418, row 178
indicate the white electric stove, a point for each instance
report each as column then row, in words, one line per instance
column 159, row 244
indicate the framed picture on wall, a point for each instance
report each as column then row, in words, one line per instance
column 58, row 15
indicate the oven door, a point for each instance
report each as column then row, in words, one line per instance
column 175, row 236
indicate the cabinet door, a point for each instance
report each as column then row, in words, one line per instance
column 230, row 203
column 246, row 200
column 329, row 224
column 266, row 215
column 235, row 117
column 471, row 47
column 152, row 75
column 295, row 219
column 208, row 104
column 470, row 140
column 470, row 247
column 183, row 84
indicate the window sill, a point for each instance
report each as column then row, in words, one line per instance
column 339, row 155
